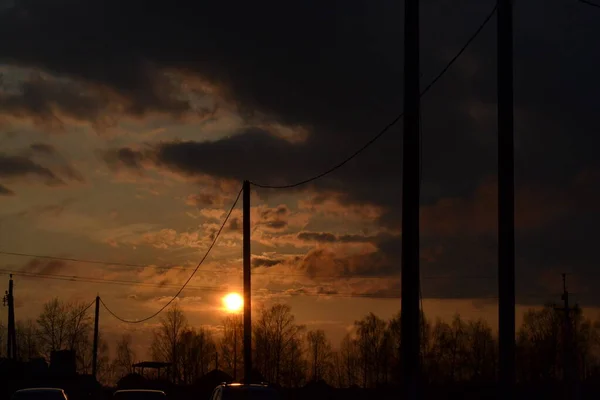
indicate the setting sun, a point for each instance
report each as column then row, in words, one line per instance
column 233, row 302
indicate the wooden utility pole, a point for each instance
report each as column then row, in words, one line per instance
column 247, row 286
column 410, row 317
column 11, row 340
column 506, row 214
column 96, row 333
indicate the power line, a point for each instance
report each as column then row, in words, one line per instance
column 266, row 291
column 90, row 279
column 589, row 3
column 85, row 309
column 393, row 122
column 109, row 263
column 188, row 280
column 175, row 267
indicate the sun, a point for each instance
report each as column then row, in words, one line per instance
column 233, row 302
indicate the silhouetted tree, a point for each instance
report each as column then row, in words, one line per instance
column 539, row 344
column 349, row 360
column 64, row 326
column 196, row 350
column 277, row 340
column 232, row 345
column 27, row 340
column 373, row 349
column 167, row 338
column 125, row 357
column 319, row 354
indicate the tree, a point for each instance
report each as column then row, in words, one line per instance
column 480, row 352
column 27, row 340
column 197, row 350
column 373, row 349
column 232, row 345
column 277, row 340
column 64, row 326
column 125, row 357
column 539, row 343
column 319, row 353
column 104, row 373
column 349, row 360
column 167, row 338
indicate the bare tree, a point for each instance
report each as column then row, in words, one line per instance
column 64, row 326
column 372, row 346
column 27, row 340
column 105, row 373
column 349, row 359
column 125, row 357
column 276, row 337
column 319, row 353
column 167, row 338
column 232, row 345
column 480, row 351
column 197, row 350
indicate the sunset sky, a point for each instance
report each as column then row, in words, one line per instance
column 127, row 127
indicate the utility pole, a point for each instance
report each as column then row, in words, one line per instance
column 570, row 373
column 96, row 333
column 506, row 214
column 410, row 317
column 247, row 286
column 11, row 340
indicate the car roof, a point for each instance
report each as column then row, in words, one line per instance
column 40, row 390
column 139, row 390
column 253, row 386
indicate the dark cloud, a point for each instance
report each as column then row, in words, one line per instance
column 317, row 237
column 274, row 219
column 54, row 210
column 19, row 166
column 24, row 166
column 261, row 261
column 39, row 266
column 327, row 237
column 43, row 148
column 4, row 191
column 125, row 157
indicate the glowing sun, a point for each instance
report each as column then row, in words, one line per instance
column 233, row 302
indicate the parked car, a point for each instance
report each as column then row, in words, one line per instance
column 139, row 394
column 40, row 394
column 239, row 391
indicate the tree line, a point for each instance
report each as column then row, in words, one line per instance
column 287, row 353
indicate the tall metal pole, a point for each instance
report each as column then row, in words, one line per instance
column 506, row 214
column 247, row 287
column 410, row 317
column 96, row 333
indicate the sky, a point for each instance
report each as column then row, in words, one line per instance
column 127, row 128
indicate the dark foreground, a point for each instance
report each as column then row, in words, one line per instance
column 546, row 391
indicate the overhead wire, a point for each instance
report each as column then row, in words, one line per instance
column 393, row 122
column 177, row 267
column 287, row 292
column 589, row 3
column 82, row 312
column 124, row 282
column 190, row 277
